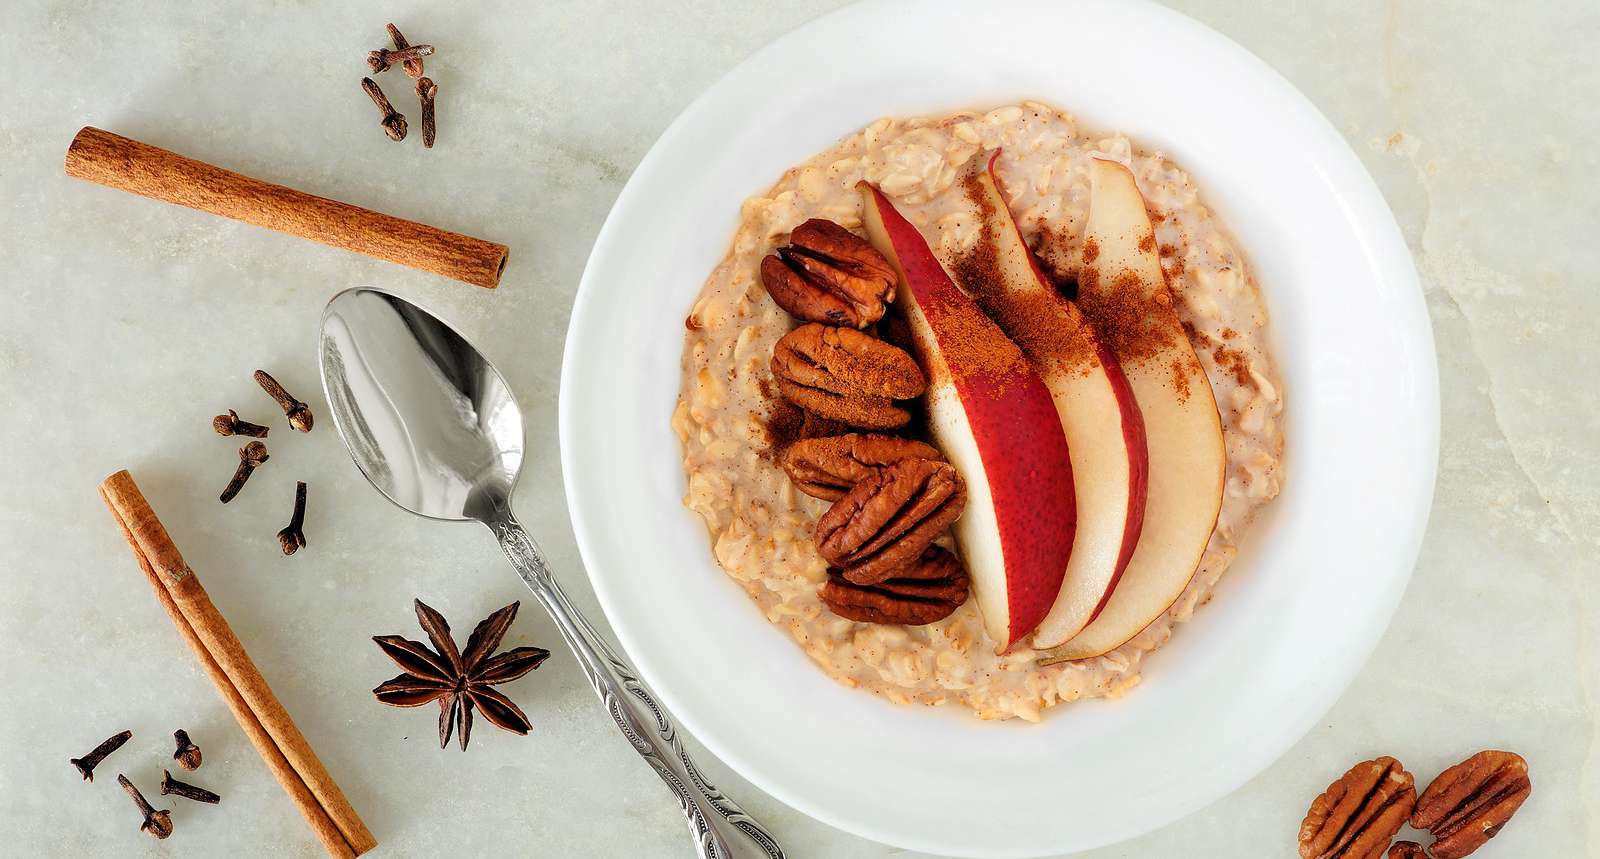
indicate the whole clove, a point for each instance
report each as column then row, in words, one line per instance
column 88, row 762
column 413, row 67
column 157, row 823
column 250, row 456
column 298, row 413
column 382, row 59
column 393, row 122
column 172, row 787
column 426, row 90
column 188, row 754
column 293, row 536
column 231, row 424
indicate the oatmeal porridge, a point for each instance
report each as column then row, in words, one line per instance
column 731, row 421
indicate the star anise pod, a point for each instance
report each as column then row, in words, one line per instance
column 458, row 680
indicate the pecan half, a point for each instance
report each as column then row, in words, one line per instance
column 888, row 519
column 843, row 374
column 829, row 467
column 829, row 274
column 929, row 589
column 1468, row 803
column 1357, row 816
column 1407, row 850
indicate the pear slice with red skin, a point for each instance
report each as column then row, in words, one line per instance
column 1104, row 430
column 1123, row 292
column 994, row 419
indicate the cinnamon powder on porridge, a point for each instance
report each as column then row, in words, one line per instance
column 784, row 423
column 1233, row 362
column 1039, row 321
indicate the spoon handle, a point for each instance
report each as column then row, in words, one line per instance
column 721, row 829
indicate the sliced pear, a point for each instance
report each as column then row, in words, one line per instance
column 1123, row 292
column 995, row 421
column 1105, row 434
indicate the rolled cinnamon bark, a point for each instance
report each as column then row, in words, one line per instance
column 254, row 706
column 128, row 165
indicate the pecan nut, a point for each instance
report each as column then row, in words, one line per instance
column 827, row 468
column 929, row 589
column 1357, row 816
column 829, row 274
column 845, row 375
column 1468, row 803
column 1407, row 850
column 890, row 518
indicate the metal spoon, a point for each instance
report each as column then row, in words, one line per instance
column 433, row 426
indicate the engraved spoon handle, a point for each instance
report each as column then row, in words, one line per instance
column 721, row 829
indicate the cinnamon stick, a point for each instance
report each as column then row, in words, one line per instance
column 260, row 715
column 139, row 168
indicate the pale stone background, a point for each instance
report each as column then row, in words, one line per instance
column 127, row 324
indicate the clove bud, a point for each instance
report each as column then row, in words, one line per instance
column 88, row 762
column 250, row 456
column 413, row 67
column 157, row 823
column 293, row 536
column 381, row 59
column 393, row 122
column 188, row 754
column 230, row 424
column 172, row 787
column 298, row 413
column 426, row 90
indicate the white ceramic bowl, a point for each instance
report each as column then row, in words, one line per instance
column 1292, row 621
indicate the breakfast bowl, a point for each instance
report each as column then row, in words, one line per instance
column 1316, row 577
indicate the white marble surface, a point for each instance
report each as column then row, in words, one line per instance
column 128, row 324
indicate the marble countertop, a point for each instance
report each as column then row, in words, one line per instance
column 127, row 324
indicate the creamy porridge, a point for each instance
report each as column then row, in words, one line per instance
column 761, row 525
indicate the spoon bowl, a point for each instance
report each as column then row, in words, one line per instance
column 429, row 422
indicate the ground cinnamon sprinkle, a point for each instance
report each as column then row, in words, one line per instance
column 1173, row 268
column 847, row 361
column 973, row 346
column 1047, row 328
column 1180, row 377
column 781, row 426
column 782, row 420
column 1055, row 248
column 1234, row 362
column 785, row 423
column 1133, row 324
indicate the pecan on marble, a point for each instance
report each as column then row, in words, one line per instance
column 1358, row 815
column 845, row 375
column 1467, row 804
column 887, row 520
column 829, row 274
column 827, row 468
column 928, row 589
column 1407, row 850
